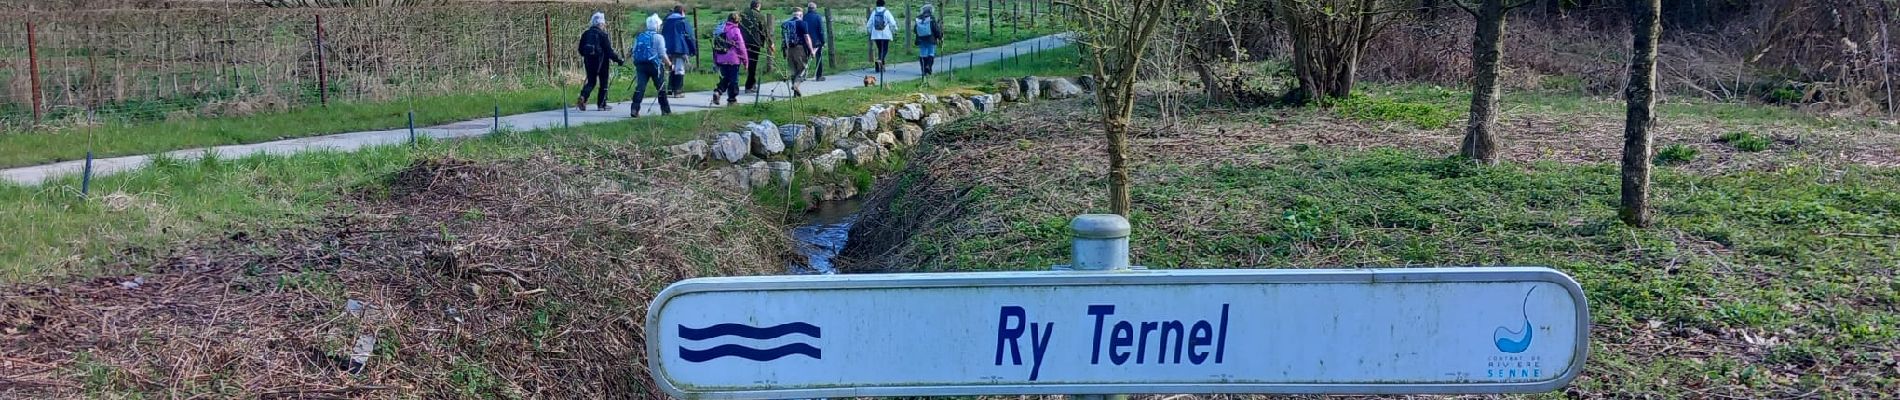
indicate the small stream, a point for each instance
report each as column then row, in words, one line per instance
column 823, row 235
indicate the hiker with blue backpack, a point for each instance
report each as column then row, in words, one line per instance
column 679, row 34
column 649, row 59
column 929, row 32
column 597, row 48
column 798, row 47
column 882, row 26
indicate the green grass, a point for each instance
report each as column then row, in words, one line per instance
column 1422, row 113
column 145, row 137
column 1804, row 253
column 1675, row 154
column 135, row 216
column 1744, row 141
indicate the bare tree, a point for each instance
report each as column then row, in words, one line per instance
column 1487, row 47
column 1645, row 31
column 1328, row 37
column 1115, row 34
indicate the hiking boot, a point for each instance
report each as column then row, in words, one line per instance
column 678, row 95
column 580, row 104
column 715, row 101
column 605, row 107
column 820, row 79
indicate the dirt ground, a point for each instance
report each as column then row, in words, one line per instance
column 517, row 279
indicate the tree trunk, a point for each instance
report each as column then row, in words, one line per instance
column 1117, row 105
column 1645, row 29
column 1487, row 46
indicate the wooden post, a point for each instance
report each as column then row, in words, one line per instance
column 1015, row 20
column 33, row 66
column 323, row 82
column 695, row 29
column 989, row 13
column 910, row 38
column 966, row 22
column 547, row 36
column 871, row 48
column 831, row 40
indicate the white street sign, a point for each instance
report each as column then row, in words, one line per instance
column 1424, row 330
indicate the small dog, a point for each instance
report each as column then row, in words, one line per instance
column 870, row 81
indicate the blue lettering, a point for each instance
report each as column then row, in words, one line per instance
column 1101, row 313
column 1006, row 335
column 1124, row 335
column 1201, row 334
column 1176, row 338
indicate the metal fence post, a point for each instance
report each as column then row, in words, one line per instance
column 412, row 127
column 33, row 66
column 323, row 82
column 910, row 35
column 1098, row 242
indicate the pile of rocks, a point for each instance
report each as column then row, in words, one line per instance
column 1030, row 88
column 766, row 154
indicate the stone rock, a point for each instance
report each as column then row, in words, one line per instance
column 797, row 138
column 912, row 112
column 863, row 153
column 1087, row 82
column 781, row 172
column 873, row 118
column 815, row 194
column 737, row 175
column 765, row 138
column 1032, row 88
column 731, row 147
column 887, row 139
column 985, row 103
column 822, row 130
column 692, row 152
column 1060, row 88
column 909, row 135
column 927, row 98
column 758, row 174
column 828, row 162
column 1010, row 89
column 932, row 121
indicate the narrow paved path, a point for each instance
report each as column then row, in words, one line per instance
column 693, row 102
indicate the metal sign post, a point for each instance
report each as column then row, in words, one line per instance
column 1101, row 327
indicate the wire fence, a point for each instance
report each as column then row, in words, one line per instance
column 141, row 65
column 73, row 68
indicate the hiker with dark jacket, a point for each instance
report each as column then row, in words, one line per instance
column 752, row 23
column 597, row 48
column 798, row 48
column 815, row 26
column 680, row 43
column 929, row 31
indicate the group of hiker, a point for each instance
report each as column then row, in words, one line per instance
column 738, row 42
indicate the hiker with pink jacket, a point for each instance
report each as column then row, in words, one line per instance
column 729, row 54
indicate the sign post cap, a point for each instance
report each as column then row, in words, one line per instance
column 1099, row 226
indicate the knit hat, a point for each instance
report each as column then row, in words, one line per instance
column 599, row 19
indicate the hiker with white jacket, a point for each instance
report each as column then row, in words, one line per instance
column 882, row 26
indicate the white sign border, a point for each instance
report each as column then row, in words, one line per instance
column 1127, row 277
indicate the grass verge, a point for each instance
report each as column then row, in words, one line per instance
column 1755, row 283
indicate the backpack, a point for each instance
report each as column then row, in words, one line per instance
column 878, row 22
column 923, row 27
column 587, row 48
column 720, row 44
column 643, row 47
column 788, row 31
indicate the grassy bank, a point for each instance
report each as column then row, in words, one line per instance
column 1770, row 274
column 118, row 139
column 511, row 266
column 137, row 215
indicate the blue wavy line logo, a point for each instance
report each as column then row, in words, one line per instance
column 750, row 332
column 1517, row 341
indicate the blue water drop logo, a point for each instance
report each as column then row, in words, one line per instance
column 1517, row 341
